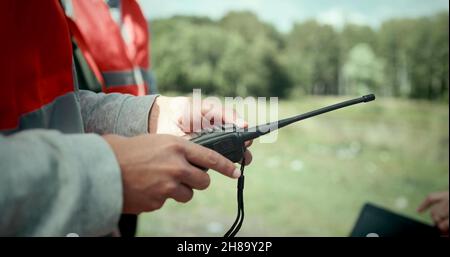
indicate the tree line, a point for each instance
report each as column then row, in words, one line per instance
column 241, row 55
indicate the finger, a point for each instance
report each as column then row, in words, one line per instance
column 248, row 143
column 430, row 200
column 195, row 178
column 443, row 209
column 248, row 157
column 216, row 117
column 443, row 226
column 207, row 158
column 187, row 136
column 231, row 116
column 435, row 215
column 211, row 113
column 185, row 123
column 196, row 124
column 155, row 204
column 208, row 105
column 191, row 118
column 224, row 115
column 182, row 193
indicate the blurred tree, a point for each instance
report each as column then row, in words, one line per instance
column 263, row 44
column 363, row 71
column 416, row 54
column 393, row 39
column 312, row 58
column 350, row 36
column 427, row 54
column 353, row 34
column 441, row 46
column 186, row 55
column 250, row 27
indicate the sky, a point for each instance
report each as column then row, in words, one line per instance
column 284, row 13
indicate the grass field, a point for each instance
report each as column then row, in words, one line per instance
column 316, row 177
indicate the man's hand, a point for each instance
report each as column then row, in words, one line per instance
column 438, row 202
column 166, row 116
column 157, row 167
column 176, row 116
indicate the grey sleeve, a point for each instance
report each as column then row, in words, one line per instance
column 120, row 114
column 53, row 184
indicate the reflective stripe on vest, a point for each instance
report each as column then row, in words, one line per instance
column 120, row 78
column 132, row 77
column 122, row 67
column 62, row 114
column 36, row 67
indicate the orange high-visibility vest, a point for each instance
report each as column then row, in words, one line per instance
column 118, row 66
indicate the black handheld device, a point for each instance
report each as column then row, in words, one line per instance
column 376, row 221
column 229, row 140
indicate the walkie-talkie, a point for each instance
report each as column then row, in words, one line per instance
column 229, row 141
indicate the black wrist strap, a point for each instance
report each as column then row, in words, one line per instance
column 240, row 201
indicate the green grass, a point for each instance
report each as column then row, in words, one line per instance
column 316, row 177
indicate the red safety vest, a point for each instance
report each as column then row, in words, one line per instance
column 36, row 63
column 118, row 66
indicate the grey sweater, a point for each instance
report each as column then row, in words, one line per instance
column 54, row 182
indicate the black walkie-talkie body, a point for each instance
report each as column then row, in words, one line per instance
column 228, row 144
column 230, row 141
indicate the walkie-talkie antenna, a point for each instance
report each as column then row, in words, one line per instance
column 255, row 132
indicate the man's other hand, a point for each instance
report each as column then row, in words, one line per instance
column 438, row 205
column 176, row 116
column 157, row 167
